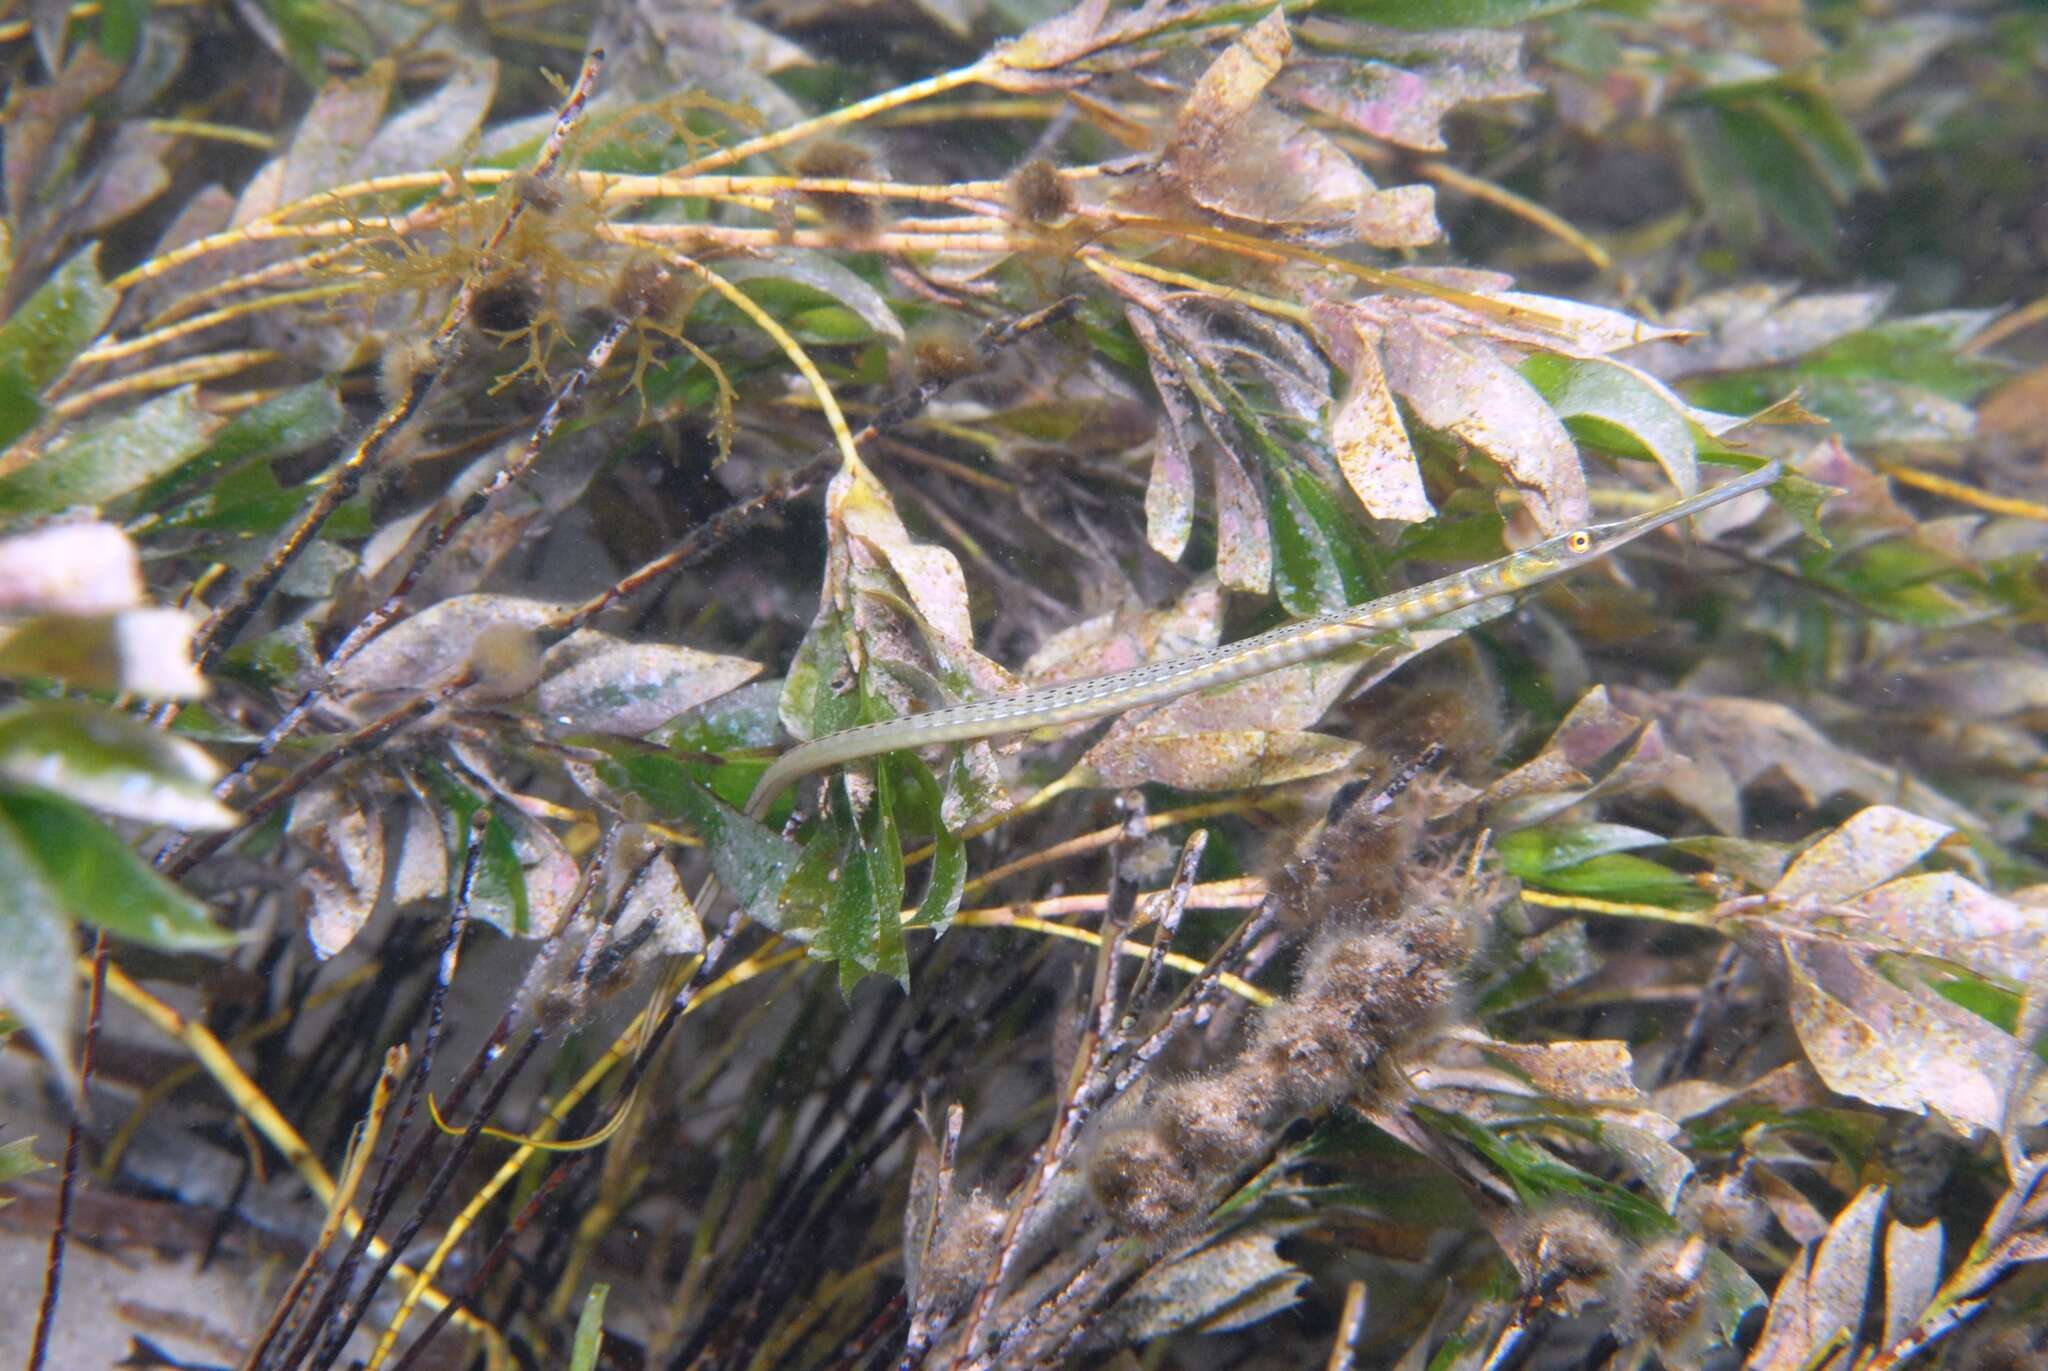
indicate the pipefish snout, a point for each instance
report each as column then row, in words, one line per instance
column 1099, row 696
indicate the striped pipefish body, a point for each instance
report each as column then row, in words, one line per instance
column 1096, row 697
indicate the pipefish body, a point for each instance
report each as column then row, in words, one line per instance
column 1304, row 640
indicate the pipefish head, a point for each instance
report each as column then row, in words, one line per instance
column 1554, row 556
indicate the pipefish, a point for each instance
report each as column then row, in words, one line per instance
column 1304, row 640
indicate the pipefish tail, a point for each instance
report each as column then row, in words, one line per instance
column 1098, row 696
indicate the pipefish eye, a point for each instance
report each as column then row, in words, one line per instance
column 1580, row 541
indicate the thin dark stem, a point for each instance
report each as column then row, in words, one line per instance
column 53, row 1269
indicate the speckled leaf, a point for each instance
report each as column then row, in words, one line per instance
column 1894, row 1047
column 1912, row 1273
column 1946, row 915
column 112, row 457
column 344, row 837
column 1593, row 1071
column 111, row 763
column 1217, row 760
column 1244, row 546
column 1557, row 958
column 751, row 860
column 1872, row 846
column 1170, row 490
column 1731, row 743
column 96, row 879
column 1484, row 402
column 286, row 424
column 1824, row 1291
column 1371, row 443
column 1131, row 637
column 595, row 681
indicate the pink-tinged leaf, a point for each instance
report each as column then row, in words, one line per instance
column 1839, row 1283
column 1734, row 743
column 1484, row 402
column 1427, row 75
column 595, row 681
column 1872, row 846
column 1945, row 915
column 1889, row 1046
column 1912, row 1273
column 1170, row 491
column 82, row 568
column 1131, row 637
column 1244, row 546
column 331, row 137
column 1372, row 444
column 1397, row 216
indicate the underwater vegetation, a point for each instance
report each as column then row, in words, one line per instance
column 969, row 684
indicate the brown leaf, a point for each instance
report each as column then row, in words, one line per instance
column 1874, row 844
column 1372, row 444
column 1912, row 1273
column 1490, row 406
column 1215, row 761
column 1890, row 1046
column 1732, row 743
column 345, row 839
column 1592, row 1071
column 1754, row 326
column 1824, row 1292
column 1220, row 1286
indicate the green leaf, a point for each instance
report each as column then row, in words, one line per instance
column 1559, row 957
column 111, row 763
column 16, row 1161
column 37, row 983
column 1532, row 853
column 589, row 1330
column 1446, row 14
column 1618, row 410
column 499, row 897
column 300, row 418
column 41, row 337
column 111, row 458
column 849, row 884
column 947, row 880
column 1623, row 877
column 752, row 861
column 1540, row 1178
column 121, row 27
column 96, row 879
